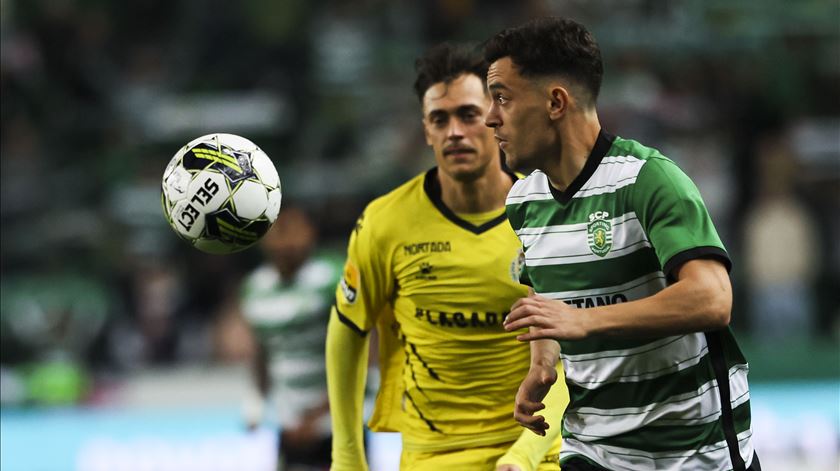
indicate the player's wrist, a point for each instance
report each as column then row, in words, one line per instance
column 594, row 321
column 541, row 366
column 516, row 457
column 519, row 462
column 544, row 354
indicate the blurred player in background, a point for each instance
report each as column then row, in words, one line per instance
column 433, row 266
column 286, row 302
column 630, row 272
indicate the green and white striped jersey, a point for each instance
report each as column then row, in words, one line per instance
column 289, row 318
column 616, row 235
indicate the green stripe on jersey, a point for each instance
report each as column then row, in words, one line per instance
column 314, row 381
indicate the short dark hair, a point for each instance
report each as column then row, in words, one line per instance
column 446, row 62
column 551, row 46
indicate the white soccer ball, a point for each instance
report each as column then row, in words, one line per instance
column 220, row 193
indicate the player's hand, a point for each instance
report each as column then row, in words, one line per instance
column 508, row 467
column 529, row 398
column 547, row 319
column 253, row 408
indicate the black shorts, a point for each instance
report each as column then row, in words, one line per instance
column 317, row 454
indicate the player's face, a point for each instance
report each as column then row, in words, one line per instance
column 518, row 115
column 453, row 121
column 289, row 241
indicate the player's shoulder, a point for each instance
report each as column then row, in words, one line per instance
column 653, row 169
column 650, row 162
column 631, row 150
column 533, row 185
column 394, row 205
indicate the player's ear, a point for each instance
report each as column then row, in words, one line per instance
column 558, row 101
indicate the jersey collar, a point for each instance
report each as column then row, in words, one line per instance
column 599, row 150
column 431, row 185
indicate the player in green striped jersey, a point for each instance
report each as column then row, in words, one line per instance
column 627, row 270
column 286, row 302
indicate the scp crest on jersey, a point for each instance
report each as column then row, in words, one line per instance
column 599, row 233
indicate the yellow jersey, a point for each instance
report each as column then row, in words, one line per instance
column 437, row 288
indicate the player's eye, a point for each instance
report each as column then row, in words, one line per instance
column 500, row 99
column 438, row 120
column 469, row 116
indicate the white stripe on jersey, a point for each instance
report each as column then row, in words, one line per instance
column 558, row 245
column 281, row 307
column 612, row 173
column 534, row 187
column 298, row 367
column 649, row 361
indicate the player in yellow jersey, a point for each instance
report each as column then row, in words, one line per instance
column 434, row 266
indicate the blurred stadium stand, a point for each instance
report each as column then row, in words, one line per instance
column 102, row 304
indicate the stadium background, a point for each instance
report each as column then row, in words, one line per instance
column 115, row 353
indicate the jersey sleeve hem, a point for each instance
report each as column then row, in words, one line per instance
column 346, row 321
column 696, row 253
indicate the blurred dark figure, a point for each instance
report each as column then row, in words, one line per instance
column 285, row 302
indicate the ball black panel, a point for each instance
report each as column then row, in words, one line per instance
column 234, row 164
column 191, row 161
column 225, row 226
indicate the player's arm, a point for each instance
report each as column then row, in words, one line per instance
column 700, row 300
column 347, row 353
column 536, row 394
column 236, row 338
column 259, row 368
column 254, row 405
column 537, row 384
column 532, row 446
column 360, row 298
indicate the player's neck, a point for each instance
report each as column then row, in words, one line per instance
column 482, row 195
column 578, row 140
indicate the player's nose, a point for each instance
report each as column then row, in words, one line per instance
column 492, row 119
column 456, row 129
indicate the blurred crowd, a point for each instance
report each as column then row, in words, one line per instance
column 97, row 96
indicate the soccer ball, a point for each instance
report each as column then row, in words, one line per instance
column 220, row 193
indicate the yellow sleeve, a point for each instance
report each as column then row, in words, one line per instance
column 387, row 411
column 530, row 449
column 366, row 285
column 361, row 295
column 347, row 356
